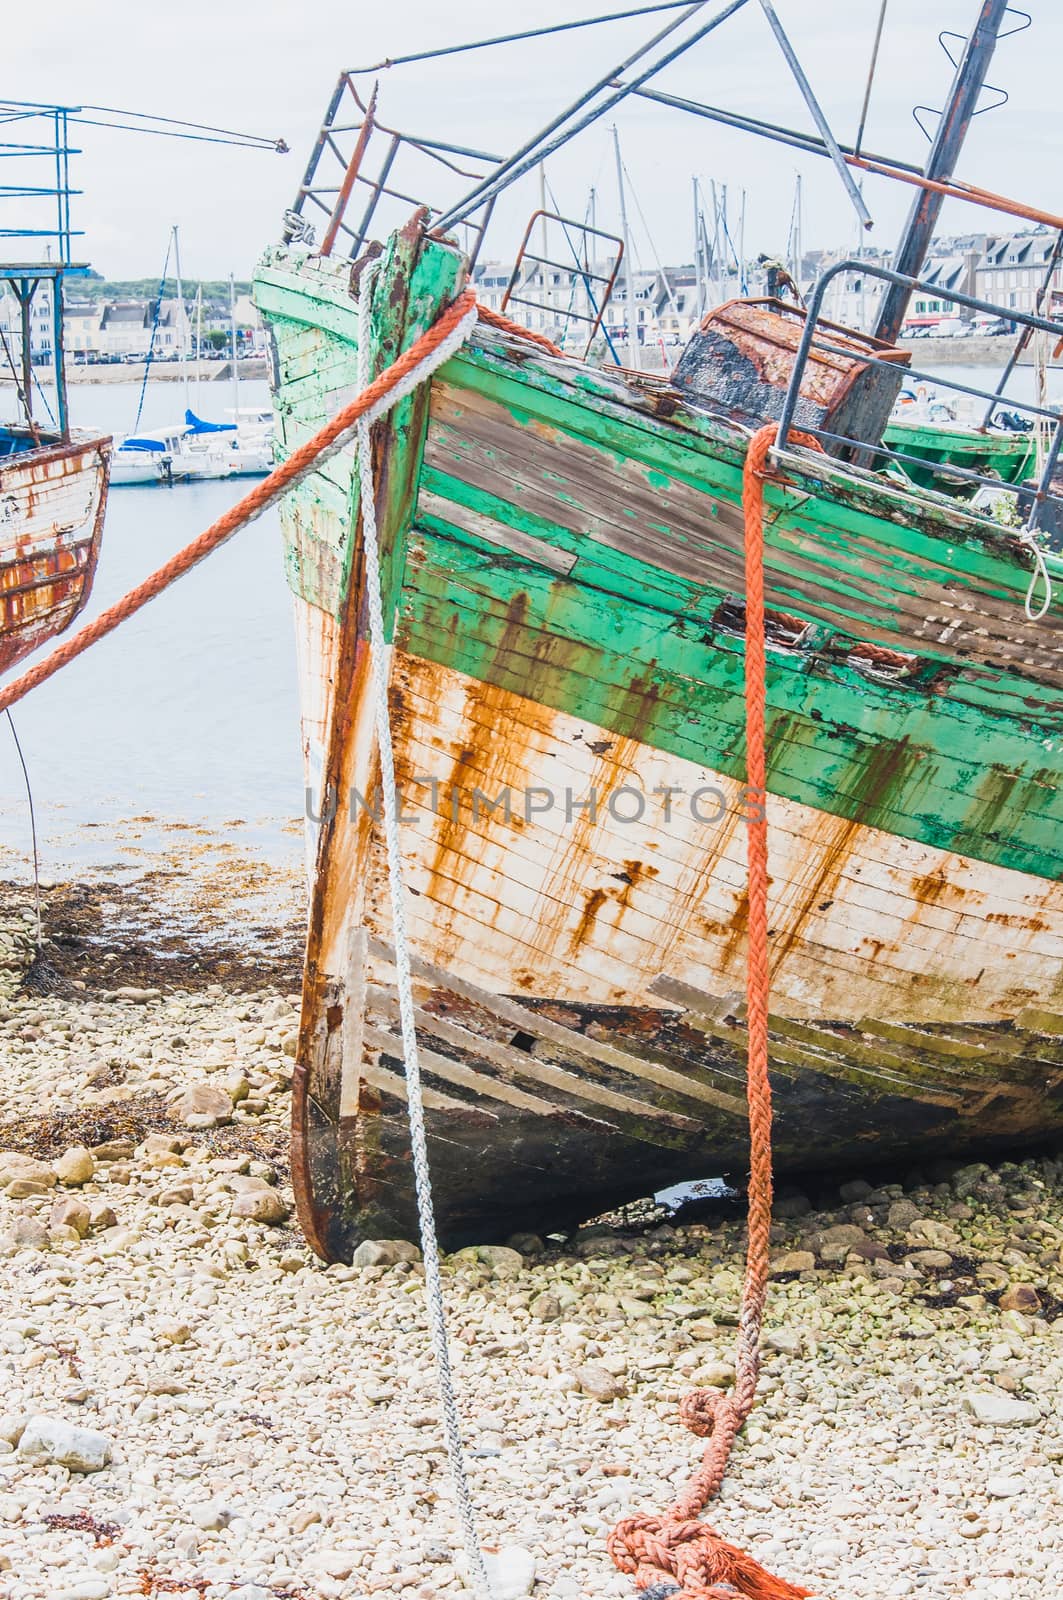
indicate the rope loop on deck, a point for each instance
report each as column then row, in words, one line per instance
column 677, row 1547
column 1040, row 575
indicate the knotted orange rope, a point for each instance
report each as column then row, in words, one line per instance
column 676, row 1554
column 250, row 506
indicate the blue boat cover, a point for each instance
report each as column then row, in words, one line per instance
column 197, row 425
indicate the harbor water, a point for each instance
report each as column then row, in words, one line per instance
column 187, row 715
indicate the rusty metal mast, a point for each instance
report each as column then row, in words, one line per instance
column 967, row 85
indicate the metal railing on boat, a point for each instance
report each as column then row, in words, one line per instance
column 1035, row 496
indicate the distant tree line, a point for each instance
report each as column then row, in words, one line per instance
column 96, row 288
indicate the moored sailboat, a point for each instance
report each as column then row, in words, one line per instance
column 195, row 449
column 242, row 448
column 144, row 458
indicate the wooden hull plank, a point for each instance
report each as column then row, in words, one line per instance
column 563, row 576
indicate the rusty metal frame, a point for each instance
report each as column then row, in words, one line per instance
column 909, row 285
column 556, row 134
column 333, row 199
column 588, row 277
column 25, row 280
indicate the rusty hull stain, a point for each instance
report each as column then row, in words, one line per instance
column 52, row 504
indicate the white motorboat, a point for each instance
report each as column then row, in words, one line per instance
column 143, row 458
column 242, row 448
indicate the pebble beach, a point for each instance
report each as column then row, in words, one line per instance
column 194, row 1405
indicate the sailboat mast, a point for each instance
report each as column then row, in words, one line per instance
column 544, row 251
column 232, row 337
column 941, row 163
column 722, row 231
column 700, row 293
column 182, row 321
column 629, row 279
column 199, row 346
column 719, row 292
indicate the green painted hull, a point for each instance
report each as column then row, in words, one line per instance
column 1011, row 457
column 563, row 576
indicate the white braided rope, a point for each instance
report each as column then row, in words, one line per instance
column 404, row 985
column 1029, row 541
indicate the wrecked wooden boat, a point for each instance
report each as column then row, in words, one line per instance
column 562, row 556
column 53, row 478
column 53, row 493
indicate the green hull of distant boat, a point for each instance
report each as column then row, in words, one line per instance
column 937, row 447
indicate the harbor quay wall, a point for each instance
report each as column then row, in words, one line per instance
column 165, row 372
column 974, row 352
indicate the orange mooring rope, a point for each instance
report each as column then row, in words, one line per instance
column 495, row 319
column 262, row 495
column 678, row 1548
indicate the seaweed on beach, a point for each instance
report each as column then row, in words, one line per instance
column 48, row 1134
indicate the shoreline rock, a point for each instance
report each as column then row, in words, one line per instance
column 273, row 1424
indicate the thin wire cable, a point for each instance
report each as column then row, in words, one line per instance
column 404, row 981
column 23, row 109
column 44, row 400
column 650, row 239
column 870, row 78
column 513, row 38
column 791, row 237
column 33, row 831
column 154, row 331
column 179, row 122
column 249, row 143
column 23, row 398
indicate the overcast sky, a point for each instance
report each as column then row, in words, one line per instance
column 269, row 67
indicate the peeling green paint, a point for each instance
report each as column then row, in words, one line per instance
column 963, row 756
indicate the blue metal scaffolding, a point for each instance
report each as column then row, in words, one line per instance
column 35, row 208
